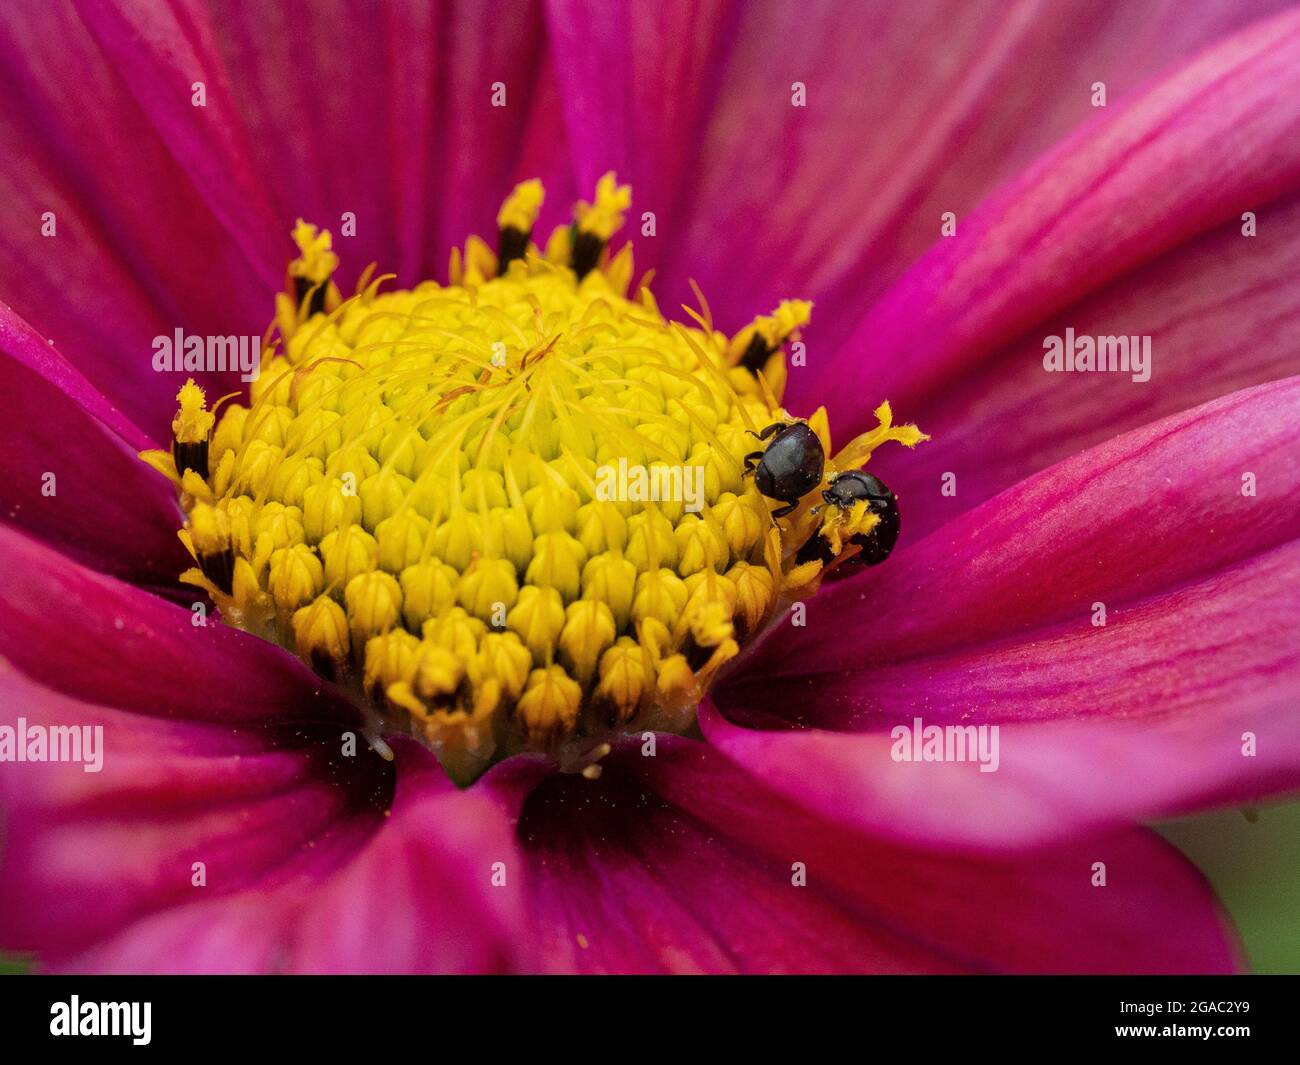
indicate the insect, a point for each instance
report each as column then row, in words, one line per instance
column 845, row 490
column 791, row 465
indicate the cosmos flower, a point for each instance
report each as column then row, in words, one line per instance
column 1102, row 566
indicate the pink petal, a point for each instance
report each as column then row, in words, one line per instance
column 1116, row 195
column 422, row 158
column 1137, row 515
column 680, row 863
column 137, row 250
column 1221, row 312
column 990, row 621
column 912, row 110
column 409, row 892
column 92, row 637
column 436, row 890
column 87, row 853
column 636, row 83
column 107, row 508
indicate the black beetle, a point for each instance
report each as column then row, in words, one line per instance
column 790, row 467
column 845, row 490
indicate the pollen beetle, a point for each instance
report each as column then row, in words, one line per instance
column 791, row 465
column 844, row 491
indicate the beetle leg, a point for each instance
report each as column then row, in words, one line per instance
column 781, row 512
column 751, row 459
column 775, row 427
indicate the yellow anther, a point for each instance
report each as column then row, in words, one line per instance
column 858, row 450
column 588, row 630
column 549, row 705
column 209, row 530
column 755, row 595
column 512, row 511
column 611, row 579
column 328, row 506
column 623, row 675
column 320, row 632
column 229, row 433
column 208, row 536
column 604, row 217
column 400, row 539
column 675, row 679
column 711, row 624
column 439, row 673
column 520, row 209
column 296, row 577
column 783, row 322
column 428, row 589
column 391, row 659
column 348, row 552
column 503, row 658
column 537, row 619
column 488, row 589
column 374, row 602
column 193, row 422
column 752, row 347
column 316, row 260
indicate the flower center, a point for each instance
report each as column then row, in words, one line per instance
column 523, row 510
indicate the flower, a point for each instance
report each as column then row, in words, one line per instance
column 230, row 828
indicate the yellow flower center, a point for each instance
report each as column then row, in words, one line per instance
column 512, row 512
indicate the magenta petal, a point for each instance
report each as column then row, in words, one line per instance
column 436, row 890
column 408, row 892
column 421, row 159
column 90, row 636
column 1116, row 195
column 637, row 82
column 1137, row 515
column 680, row 863
column 1219, row 311
column 912, row 110
column 990, row 620
column 301, row 869
column 91, row 849
column 104, row 506
column 136, row 252
column 1054, row 777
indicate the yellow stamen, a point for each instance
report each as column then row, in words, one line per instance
column 604, row 217
column 193, row 422
column 316, row 260
column 520, row 209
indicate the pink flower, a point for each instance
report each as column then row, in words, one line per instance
column 786, row 835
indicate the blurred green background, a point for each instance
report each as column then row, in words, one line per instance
column 1252, row 861
column 1256, row 870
